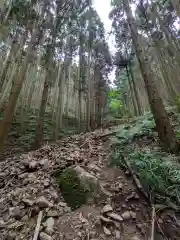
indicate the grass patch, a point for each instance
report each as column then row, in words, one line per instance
column 158, row 173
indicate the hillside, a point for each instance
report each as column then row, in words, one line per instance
column 75, row 190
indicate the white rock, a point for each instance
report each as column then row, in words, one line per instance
column 107, row 208
column 135, row 238
column 115, row 217
column 44, row 162
column 105, row 220
column 107, row 231
column 126, row 215
column 32, row 164
column 49, row 224
column 62, row 204
column 44, row 236
column 117, row 234
column 52, row 213
column 120, row 186
column 27, row 202
column 133, row 214
column 42, row 202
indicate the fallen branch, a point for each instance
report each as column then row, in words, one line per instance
column 108, row 134
column 135, row 178
column 36, row 233
column 153, row 222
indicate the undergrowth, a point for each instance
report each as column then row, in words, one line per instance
column 159, row 172
column 22, row 134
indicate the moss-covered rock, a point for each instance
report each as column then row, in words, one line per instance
column 73, row 191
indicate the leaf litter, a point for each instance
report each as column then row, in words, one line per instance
column 32, row 205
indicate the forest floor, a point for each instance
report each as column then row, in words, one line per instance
column 33, row 204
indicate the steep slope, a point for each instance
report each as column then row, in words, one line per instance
column 33, row 202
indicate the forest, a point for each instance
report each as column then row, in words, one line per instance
column 84, row 156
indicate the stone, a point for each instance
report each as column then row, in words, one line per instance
column 84, row 175
column 106, row 209
column 133, row 214
column 46, row 183
column 28, row 202
column 42, row 202
column 25, row 181
column 44, row 162
column 107, row 231
column 93, row 167
column 33, row 164
column 62, row 204
column 25, row 218
column 44, row 236
column 15, row 212
column 52, row 213
column 115, row 217
column 120, row 186
column 126, row 215
column 49, row 224
column 135, row 238
column 117, row 234
column 2, row 224
column 105, row 220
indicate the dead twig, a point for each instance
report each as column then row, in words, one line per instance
column 135, row 178
column 153, row 222
column 160, row 229
column 36, row 233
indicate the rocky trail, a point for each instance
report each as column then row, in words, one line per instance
column 32, row 205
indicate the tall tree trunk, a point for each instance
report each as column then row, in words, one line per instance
column 131, row 92
column 176, row 5
column 135, row 89
column 60, row 105
column 40, row 121
column 163, row 125
column 88, row 120
column 16, row 88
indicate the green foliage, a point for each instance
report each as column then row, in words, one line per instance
column 143, row 127
column 116, row 108
column 177, row 103
column 158, row 174
column 24, row 138
column 71, row 188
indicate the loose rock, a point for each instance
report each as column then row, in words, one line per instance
column 106, row 209
column 52, row 213
column 107, row 231
column 133, row 215
column 15, row 212
column 117, row 234
column 44, row 236
column 105, row 220
column 115, row 216
column 126, row 215
column 42, row 202
column 49, row 224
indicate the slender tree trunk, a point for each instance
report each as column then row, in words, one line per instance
column 131, row 92
column 163, row 125
column 88, row 123
column 60, row 104
column 40, row 122
column 135, row 90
